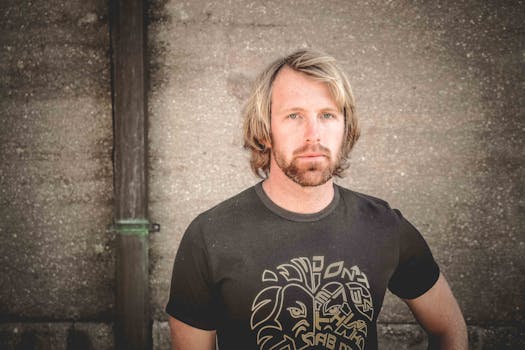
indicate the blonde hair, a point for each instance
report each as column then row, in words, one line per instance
column 257, row 111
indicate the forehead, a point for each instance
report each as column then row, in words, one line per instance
column 291, row 87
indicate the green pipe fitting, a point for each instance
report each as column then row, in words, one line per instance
column 137, row 227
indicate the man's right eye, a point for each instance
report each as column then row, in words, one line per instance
column 293, row 116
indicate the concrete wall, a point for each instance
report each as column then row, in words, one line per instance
column 439, row 87
column 56, row 258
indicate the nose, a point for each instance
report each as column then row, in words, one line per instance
column 312, row 132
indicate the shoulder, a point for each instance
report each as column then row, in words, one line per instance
column 241, row 202
column 226, row 225
column 370, row 208
column 242, row 205
column 364, row 201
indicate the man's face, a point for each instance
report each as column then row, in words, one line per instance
column 307, row 129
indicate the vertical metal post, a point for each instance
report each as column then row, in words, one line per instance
column 132, row 323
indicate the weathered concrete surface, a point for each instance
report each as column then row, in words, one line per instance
column 56, row 336
column 439, row 87
column 56, row 261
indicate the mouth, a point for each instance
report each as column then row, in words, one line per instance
column 312, row 153
column 311, row 157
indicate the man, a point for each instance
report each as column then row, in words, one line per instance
column 297, row 262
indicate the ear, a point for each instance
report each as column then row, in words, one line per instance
column 267, row 144
column 264, row 144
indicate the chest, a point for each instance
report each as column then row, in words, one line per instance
column 317, row 272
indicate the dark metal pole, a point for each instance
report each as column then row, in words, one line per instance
column 132, row 323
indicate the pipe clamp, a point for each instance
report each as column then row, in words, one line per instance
column 138, row 227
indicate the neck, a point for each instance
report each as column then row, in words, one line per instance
column 296, row 198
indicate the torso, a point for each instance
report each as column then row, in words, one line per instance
column 312, row 281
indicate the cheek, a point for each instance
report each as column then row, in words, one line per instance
column 334, row 135
column 285, row 138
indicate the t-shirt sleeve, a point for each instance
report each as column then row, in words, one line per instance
column 192, row 298
column 417, row 271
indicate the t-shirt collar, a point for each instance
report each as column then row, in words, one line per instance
column 293, row 216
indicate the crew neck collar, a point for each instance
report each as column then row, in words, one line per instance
column 293, row 216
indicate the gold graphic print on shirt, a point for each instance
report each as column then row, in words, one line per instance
column 306, row 304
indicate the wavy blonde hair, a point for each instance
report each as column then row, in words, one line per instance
column 257, row 111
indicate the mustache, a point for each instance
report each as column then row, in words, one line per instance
column 318, row 148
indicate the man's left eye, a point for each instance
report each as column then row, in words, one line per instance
column 327, row 116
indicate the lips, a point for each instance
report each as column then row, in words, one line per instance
column 312, row 152
column 311, row 155
column 312, row 158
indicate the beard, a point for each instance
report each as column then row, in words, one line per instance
column 304, row 172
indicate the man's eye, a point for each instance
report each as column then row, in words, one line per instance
column 327, row 116
column 293, row 116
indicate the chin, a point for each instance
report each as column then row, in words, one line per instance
column 311, row 178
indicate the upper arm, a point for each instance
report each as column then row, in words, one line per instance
column 439, row 314
column 192, row 298
column 186, row 337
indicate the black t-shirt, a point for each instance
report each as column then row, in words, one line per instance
column 268, row 278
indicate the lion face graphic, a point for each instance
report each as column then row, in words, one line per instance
column 306, row 305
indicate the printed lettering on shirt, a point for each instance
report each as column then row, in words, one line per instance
column 309, row 303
